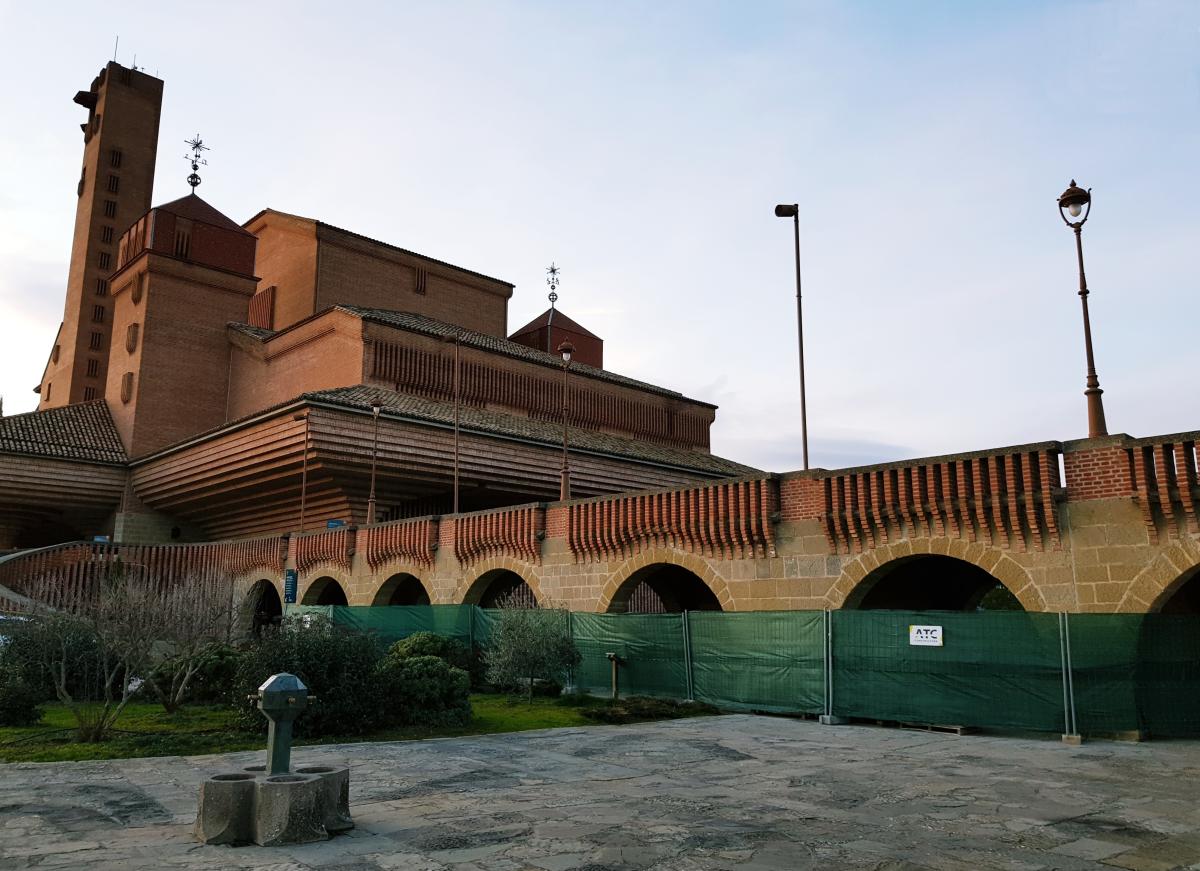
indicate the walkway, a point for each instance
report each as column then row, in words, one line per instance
column 724, row 792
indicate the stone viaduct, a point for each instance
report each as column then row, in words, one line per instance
column 1101, row 525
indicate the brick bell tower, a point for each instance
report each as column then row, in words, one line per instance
column 120, row 144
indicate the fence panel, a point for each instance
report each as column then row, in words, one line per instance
column 650, row 647
column 998, row 669
column 394, row 622
column 763, row 661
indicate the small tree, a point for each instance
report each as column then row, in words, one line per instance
column 195, row 620
column 530, row 644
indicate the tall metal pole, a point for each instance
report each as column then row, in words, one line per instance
column 456, row 400
column 304, row 474
column 374, row 460
column 564, row 491
column 800, row 339
column 1096, row 424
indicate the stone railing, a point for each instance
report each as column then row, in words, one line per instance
column 413, row 541
column 1006, row 498
column 1165, row 483
column 729, row 520
column 330, row 546
column 515, row 532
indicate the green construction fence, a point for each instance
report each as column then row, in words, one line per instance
column 1078, row 673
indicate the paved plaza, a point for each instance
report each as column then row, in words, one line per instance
column 719, row 792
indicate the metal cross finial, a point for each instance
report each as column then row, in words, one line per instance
column 552, row 280
column 197, row 145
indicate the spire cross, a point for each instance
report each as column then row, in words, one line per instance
column 197, row 145
column 552, row 279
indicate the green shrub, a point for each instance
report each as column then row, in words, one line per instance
column 18, row 700
column 641, row 708
column 336, row 664
column 453, row 651
column 421, row 691
column 29, row 647
column 213, row 681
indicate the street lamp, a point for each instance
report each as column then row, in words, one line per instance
column 793, row 211
column 566, row 349
column 455, row 338
column 375, row 406
column 303, row 415
column 1076, row 201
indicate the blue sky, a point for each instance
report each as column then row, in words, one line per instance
column 643, row 146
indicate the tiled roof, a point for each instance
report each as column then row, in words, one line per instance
column 196, row 209
column 556, row 317
column 84, row 431
column 254, row 332
column 546, row 432
column 430, row 327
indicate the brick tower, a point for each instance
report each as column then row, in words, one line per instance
column 120, row 143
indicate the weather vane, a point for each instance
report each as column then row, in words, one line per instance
column 552, row 280
column 197, row 145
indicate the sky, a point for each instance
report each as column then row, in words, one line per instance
column 643, row 146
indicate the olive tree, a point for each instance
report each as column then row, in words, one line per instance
column 529, row 644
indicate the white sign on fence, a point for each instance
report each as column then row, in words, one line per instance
column 925, row 636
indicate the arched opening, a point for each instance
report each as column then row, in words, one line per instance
column 1186, row 598
column 402, row 589
column 931, row 582
column 266, row 609
column 501, row 588
column 324, row 591
column 663, row 588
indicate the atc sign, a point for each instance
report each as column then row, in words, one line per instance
column 925, row 636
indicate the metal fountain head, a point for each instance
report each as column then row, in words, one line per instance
column 282, row 698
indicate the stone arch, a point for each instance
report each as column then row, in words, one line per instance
column 1156, row 584
column 258, row 604
column 325, row 590
column 402, row 588
column 865, row 568
column 486, row 573
column 698, row 566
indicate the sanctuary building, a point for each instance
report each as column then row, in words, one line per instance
column 216, row 380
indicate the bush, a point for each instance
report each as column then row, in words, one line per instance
column 29, row 646
column 18, row 700
column 641, row 708
column 213, row 681
column 421, row 691
column 334, row 663
column 453, row 651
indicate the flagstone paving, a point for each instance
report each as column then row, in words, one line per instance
column 714, row 793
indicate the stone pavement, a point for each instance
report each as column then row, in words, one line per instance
column 720, row 792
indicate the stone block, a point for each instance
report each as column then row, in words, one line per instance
column 226, row 811
column 290, row 810
column 335, row 782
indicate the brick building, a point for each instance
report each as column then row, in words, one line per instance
column 216, row 379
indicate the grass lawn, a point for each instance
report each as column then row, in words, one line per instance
column 146, row 730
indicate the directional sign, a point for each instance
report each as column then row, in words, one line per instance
column 289, row 586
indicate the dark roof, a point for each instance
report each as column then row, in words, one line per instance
column 254, row 332
column 556, row 317
column 84, row 431
column 515, row 426
column 430, row 327
column 195, row 209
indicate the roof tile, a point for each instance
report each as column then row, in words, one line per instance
column 84, row 431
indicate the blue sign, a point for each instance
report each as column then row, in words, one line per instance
column 334, row 524
column 101, row 539
column 289, row 586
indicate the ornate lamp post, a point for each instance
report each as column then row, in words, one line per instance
column 1074, row 201
column 793, row 211
column 566, row 349
column 375, row 406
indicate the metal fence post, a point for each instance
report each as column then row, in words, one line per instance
column 828, row 718
column 1071, row 735
column 687, row 656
